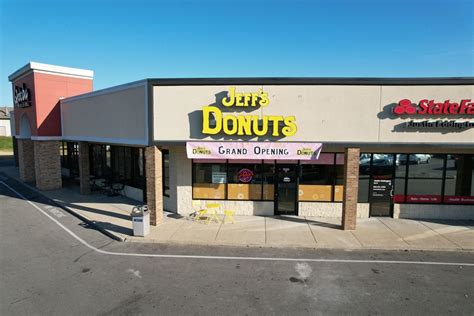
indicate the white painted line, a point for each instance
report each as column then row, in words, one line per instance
column 57, row 212
column 82, row 241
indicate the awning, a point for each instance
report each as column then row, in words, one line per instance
column 253, row 150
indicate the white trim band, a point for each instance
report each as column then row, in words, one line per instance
column 52, row 69
column 46, row 137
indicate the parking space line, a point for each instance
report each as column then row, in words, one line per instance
column 111, row 253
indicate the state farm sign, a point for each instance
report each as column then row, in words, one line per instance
column 431, row 107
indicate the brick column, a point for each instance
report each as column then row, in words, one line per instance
column 26, row 160
column 351, row 188
column 84, row 168
column 154, row 183
column 47, row 165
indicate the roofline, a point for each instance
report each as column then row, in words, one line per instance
column 313, row 81
column 53, row 69
column 112, row 89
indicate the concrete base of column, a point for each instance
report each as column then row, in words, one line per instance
column 154, row 184
column 26, row 160
column 351, row 188
column 47, row 165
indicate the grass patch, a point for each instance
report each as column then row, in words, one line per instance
column 6, row 143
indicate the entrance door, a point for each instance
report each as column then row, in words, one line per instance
column 286, row 190
column 381, row 197
column 381, row 187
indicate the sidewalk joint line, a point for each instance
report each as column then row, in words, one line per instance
column 406, row 242
column 360, row 242
column 441, row 235
column 220, row 226
column 314, row 237
column 177, row 229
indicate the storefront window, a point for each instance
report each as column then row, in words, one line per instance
column 400, row 178
column 244, row 180
column 425, row 178
column 210, row 178
column 98, row 161
column 339, row 174
column 118, row 164
column 166, row 173
column 459, row 181
column 70, row 158
column 268, row 180
column 364, row 177
column 317, row 179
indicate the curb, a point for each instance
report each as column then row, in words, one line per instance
column 89, row 222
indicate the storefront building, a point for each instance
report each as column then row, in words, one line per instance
column 334, row 147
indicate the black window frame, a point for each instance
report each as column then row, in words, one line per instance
column 406, row 178
column 333, row 184
column 333, row 179
column 166, row 187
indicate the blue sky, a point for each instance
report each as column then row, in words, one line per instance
column 123, row 41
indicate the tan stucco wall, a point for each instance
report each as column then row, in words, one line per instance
column 391, row 94
column 360, row 114
column 115, row 117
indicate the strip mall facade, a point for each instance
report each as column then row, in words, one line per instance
column 336, row 147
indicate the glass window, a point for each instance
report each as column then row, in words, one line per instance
column 317, row 179
column 244, row 180
column 107, row 157
column 210, row 178
column 63, row 153
column 400, row 178
column 97, row 160
column 137, row 178
column 166, row 173
column 364, row 177
column 382, row 165
column 459, row 181
column 425, row 178
column 339, row 174
column 268, row 181
column 118, row 163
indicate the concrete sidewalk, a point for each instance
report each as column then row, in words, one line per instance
column 112, row 214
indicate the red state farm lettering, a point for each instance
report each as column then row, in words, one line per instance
column 430, row 107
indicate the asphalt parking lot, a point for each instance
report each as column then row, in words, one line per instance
column 48, row 269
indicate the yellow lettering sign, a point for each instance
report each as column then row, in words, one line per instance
column 246, row 125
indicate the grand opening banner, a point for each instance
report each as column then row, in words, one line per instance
column 253, row 150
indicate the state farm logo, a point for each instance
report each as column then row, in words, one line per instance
column 430, row 107
column 404, row 107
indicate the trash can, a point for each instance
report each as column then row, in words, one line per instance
column 141, row 220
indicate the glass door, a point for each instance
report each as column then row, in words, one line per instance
column 381, row 187
column 286, row 189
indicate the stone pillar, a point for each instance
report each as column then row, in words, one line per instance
column 48, row 165
column 351, row 188
column 26, row 159
column 84, row 168
column 154, row 184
